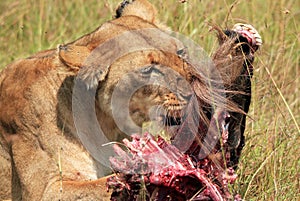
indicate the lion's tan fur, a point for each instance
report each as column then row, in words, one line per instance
column 41, row 157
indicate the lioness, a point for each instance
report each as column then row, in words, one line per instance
column 41, row 155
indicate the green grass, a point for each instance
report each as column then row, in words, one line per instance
column 269, row 168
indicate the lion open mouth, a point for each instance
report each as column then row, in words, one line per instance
column 174, row 110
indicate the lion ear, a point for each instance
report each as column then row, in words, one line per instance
column 140, row 8
column 86, row 64
column 91, row 75
column 73, row 56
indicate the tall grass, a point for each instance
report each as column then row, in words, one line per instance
column 269, row 168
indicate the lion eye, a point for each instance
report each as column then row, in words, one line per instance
column 152, row 71
column 147, row 70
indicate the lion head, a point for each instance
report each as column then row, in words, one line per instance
column 56, row 104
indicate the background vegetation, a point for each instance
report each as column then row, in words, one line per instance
column 269, row 168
